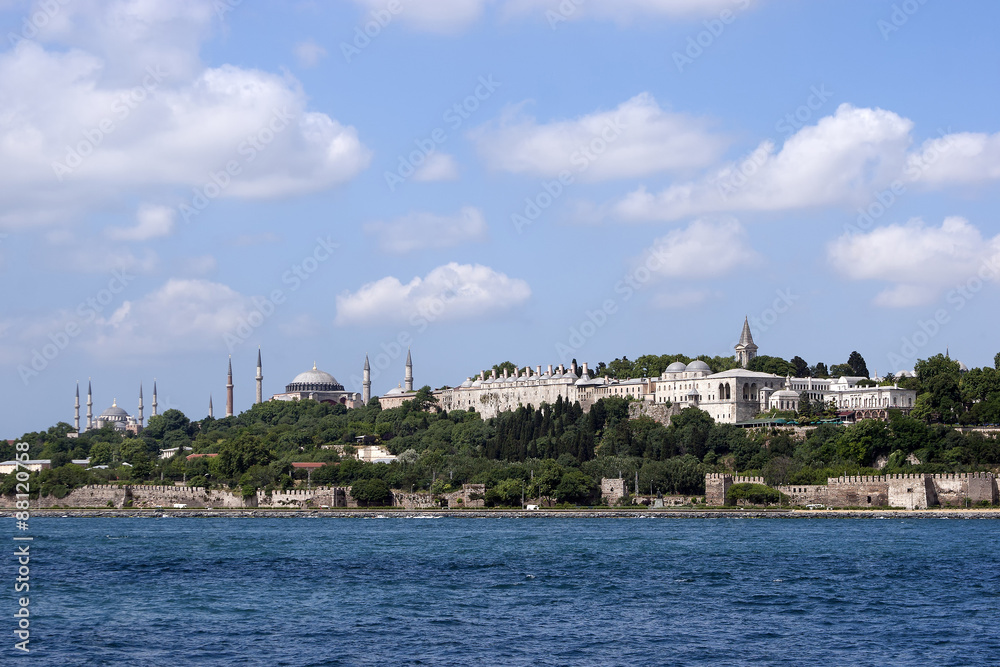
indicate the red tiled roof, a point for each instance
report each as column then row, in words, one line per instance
column 198, row 456
column 307, row 464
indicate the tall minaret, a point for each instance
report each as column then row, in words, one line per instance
column 229, row 389
column 366, row 383
column 90, row 406
column 408, row 379
column 260, row 379
column 745, row 349
column 154, row 397
column 211, row 412
column 140, row 404
column 76, row 412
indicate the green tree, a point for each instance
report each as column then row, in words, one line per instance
column 857, row 363
column 576, row 487
column 801, row 367
column 819, row 370
column 775, row 365
column 371, row 492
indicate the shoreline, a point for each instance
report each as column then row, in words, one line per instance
column 352, row 513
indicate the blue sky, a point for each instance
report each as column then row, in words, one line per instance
column 485, row 180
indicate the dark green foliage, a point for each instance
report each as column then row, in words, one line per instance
column 776, row 365
column 753, row 494
column 369, row 492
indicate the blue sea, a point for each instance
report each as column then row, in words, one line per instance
column 536, row 591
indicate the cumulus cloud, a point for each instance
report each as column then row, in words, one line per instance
column 635, row 139
column 418, row 231
column 918, row 261
column 309, row 53
column 450, row 292
column 128, row 106
column 704, row 249
column 841, row 160
column 437, row 167
column 183, row 314
column 152, row 222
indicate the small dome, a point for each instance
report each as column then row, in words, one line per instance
column 697, row 366
column 395, row 391
column 962, row 367
column 468, row 383
column 676, row 367
column 786, row 393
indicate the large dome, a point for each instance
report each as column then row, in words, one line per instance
column 114, row 413
column 697, row 365
column 676, row 367
column 314, row 380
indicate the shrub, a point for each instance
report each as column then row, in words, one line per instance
column 753, row 494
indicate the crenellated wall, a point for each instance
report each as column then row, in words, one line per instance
column 908, row 491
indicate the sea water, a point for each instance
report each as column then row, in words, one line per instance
column 535, row 591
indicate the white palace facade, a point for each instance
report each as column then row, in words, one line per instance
column 732, row 396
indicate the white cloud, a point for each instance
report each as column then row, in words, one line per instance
column 841, row 160
column 197, row 266
column 137, row 110
column 919, row 262
column 702, row 250
column 153, row 222
column 439, row 16
column 843, row 157
column 437, row 167
column 97, row 257
column 309, row 53
column 418, row 231
column 180, row 315
column 450, row 292
column 635, row 139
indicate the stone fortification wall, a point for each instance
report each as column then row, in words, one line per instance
column 717, row 485
column 658, row 412
column 196, row 497
column 910, row 491
column 612, row 489
column 471, row 495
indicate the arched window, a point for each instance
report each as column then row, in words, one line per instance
column 753, row 391
column 728, row 392
column 746, row 391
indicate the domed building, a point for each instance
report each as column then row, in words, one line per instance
column 115, row 416
column 319, row 386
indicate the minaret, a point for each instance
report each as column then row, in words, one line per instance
column 408, row 379
column 211, row 412
column 366, row 383
column 76, row 412
column 746, row 350
column 154, row 397
column 90, row 406
column 260, row 379
column 140, row 404
column 229, row 389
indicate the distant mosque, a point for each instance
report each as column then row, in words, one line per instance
column 115, row 416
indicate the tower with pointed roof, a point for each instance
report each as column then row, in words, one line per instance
column 90, row 406
column 366, row 382
column 139, row 416
column 229, row 389
column 260, row 379
column 746, row 350
column 154, row 397
column 211, row 412
column 408, row 378
column 76, row 412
